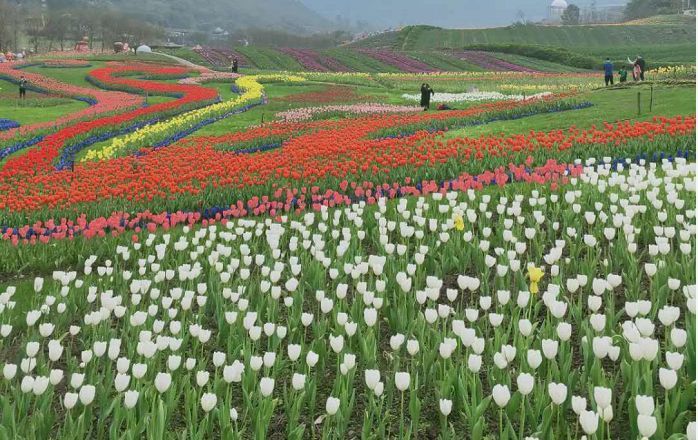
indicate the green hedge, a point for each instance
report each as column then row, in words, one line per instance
column 547, row 53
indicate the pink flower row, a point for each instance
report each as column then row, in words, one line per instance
column 305, row 113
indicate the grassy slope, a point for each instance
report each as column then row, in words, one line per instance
column 358, row 61
column 609, row 105
column 601, row 36
column 534, row 63
column 267, row 58
column 666, row 40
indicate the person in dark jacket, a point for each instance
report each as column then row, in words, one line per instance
column 235, row 65
column 608, row 72
column 423, row 91
column 22, row 87
column 622, row 75
column 427, row 93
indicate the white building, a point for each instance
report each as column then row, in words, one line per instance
column 556, row 9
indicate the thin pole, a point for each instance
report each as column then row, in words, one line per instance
column 651, row 97
column 638, row 103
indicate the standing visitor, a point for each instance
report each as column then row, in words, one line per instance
column 235, row 65
column 423, row 100
column 427, row 93
column 22, row 87
column 622, row 75
column 640, row 62
column 608, row 72
column 638, row 68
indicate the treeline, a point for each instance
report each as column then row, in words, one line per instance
column 647, row 8
column 45, row 28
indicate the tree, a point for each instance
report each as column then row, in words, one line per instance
column 571, row 14
column 8, row 21
column 647, row 8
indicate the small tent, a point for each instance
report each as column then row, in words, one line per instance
column 144, row 49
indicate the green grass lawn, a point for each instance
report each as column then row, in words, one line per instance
column 610, row 105
column 73, row 75
column 37, row 107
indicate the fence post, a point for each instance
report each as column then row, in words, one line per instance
column 651, row 97
column 638, row 104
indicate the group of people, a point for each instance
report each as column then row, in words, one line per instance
column 638, row 70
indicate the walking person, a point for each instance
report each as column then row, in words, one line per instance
column 608, row 72
column 22, row 87
column 235, row 65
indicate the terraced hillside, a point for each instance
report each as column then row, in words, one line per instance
column 665, row 40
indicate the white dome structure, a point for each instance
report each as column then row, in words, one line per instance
column 557, row 8
column 144, row 49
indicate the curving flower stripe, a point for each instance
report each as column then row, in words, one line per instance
column 7, row 124
column 102, row 101
column 166, row 132
column 400, row 61
column 314, row 61
column 491, row 63
column 475, row 97
column 322, row 156
column 61, row 147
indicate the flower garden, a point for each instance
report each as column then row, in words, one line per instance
column 198, row 254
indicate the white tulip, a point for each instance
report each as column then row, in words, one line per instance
column 121, row 382
column 557, row 392
column 589, row 421
column 667, row 378
column 402, row 380
column 647, row 425
column 208, row 401
column 266, row 386
column 644, row 405
column 501, row 395
column 40, row 385
column 87, row 394
column 130, row 398
column 163, row 382
column 70, row 400
column 332, row 405
column 579, row 404
column 602, row 397
column 9, row 371
column 298, row 381
column 525, row 383
column 312, row 358
column 445, row 406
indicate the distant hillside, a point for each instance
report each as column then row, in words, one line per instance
column 231, row 15
column 610, row 36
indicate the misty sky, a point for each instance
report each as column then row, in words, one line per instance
column 446, row 13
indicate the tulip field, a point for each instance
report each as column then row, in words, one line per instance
column 194, row 254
